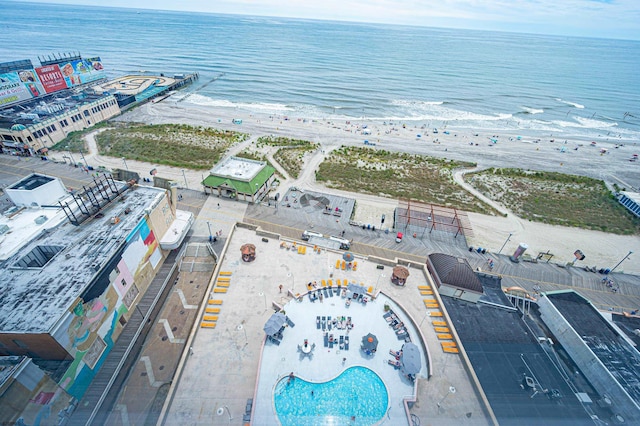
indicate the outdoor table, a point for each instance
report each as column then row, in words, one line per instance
column 306, row 348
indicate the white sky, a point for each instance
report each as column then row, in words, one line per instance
column 591, row 18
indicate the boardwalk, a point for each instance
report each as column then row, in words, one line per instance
column 291, row 223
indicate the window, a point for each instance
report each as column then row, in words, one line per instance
column 86, row 113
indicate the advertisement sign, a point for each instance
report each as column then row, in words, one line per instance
column 51, row 78
column 82, row 71
column 13, row 89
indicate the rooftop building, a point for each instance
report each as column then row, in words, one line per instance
column 240, row 178
column 71, row 275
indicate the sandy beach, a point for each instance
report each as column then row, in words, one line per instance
column 536, row 152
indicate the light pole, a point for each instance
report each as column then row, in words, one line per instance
column 265, row 298
column 124, row 160
column 71, row 155
column 293, row 284
column 185, row 179
column 451, row 391
column 84, row 159
column 378, row 280
column 623, row 259
column 210, row 236
column 505, row 243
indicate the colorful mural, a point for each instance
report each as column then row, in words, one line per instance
column 91, row 330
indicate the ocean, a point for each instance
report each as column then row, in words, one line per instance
column 434, row 77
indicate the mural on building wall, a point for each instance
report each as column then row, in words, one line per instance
column 91, row 330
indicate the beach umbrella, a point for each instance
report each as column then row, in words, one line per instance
column 410, row 359
column 369, row 342
column 348, row 256
column 274, row 323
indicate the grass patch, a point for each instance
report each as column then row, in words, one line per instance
column 398, row 175
column 176, row 145
column 557, row 199
column 75, row 140
column 291, row 153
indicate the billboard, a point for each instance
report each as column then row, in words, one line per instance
column 51, row 78
column 82, row 71
column 19, row 86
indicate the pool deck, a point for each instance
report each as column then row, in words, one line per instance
column 233, row 362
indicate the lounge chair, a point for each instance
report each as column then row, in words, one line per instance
column 402, row 336
column 394, row 363
column 387, row 314
column 291, row 324
column 329, row 323
column 424, row 287
column 318, row 322
column 212, row 310
column 444, row 336
column 326, row 340
column 324, row 290
column 346, row 343
column 341, row 342
column 435, row 314
column 439, row 323
column 324, row 323
column 331, row 341
column 442, row 329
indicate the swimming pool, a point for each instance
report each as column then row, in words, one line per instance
column 357, row 392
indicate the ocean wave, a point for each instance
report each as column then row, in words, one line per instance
column 401, row 102
column 529, row 110
column 202, row 100
column 573, row 104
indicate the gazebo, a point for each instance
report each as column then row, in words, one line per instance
column 399, row 275
column 248, row 252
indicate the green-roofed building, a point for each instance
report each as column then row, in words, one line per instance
column 240, row 179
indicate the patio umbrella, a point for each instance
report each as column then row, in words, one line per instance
column 248, row 249
column 274, row 323
column 348, row 256
column 369, row 342
column 410, row 359
column 401, row 272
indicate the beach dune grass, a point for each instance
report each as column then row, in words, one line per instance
column 556, row 198
column 176, row 145
column 291, row 152
column 398, row 175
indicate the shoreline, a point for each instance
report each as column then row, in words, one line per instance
column 602, row 250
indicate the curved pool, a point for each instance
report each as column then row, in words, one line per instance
column 358, row 392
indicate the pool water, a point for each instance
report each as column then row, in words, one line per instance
column 357, row 392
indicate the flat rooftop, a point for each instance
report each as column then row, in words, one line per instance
column 502, row 350
column 45, row 107
column 238, row 168
column 33, row 298
column 620, row 358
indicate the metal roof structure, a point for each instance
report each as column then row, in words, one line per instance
column 455, row 272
